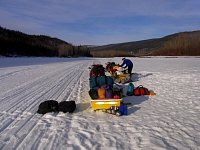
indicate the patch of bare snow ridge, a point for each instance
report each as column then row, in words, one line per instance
column 169, row 120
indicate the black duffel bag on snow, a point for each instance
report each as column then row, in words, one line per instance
column 48, row 106
column 67, row 106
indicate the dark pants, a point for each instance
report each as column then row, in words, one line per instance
column 130, row 69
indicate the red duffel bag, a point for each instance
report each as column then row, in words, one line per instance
column 140, row 90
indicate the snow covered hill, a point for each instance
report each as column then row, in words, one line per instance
column 169, row 120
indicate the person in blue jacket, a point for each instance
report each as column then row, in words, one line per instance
column 128, row 64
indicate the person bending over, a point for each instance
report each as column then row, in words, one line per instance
column 128, row 63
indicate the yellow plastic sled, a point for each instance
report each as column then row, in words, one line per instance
column 122, row 78
column 103, row 104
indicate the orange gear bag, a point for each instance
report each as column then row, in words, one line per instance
column 101, row 93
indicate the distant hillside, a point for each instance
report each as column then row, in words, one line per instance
column 14, row 43
column 179, row 44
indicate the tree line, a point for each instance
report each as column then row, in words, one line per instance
column 111, row 53
column 15, row 43
column 185, row 44
column 179, row 44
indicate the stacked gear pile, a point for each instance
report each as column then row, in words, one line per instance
column 111, row 67
column 104, row 96
column 118, row 74
column 101, row 86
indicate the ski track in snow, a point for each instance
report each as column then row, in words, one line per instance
column 169, row 120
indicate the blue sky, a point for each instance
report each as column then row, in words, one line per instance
column 100, row 22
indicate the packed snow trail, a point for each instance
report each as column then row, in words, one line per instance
column 169, row 120
column 24, row 99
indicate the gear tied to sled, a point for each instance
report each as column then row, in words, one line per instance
column 104, row 95
column 105, row 90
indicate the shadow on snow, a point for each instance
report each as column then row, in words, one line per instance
column 136, row 76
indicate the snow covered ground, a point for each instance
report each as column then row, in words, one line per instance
column 169, row 120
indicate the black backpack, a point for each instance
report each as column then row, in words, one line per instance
column 48, row 106
column 93, row 94
column 67, row 106
column 97, row 70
